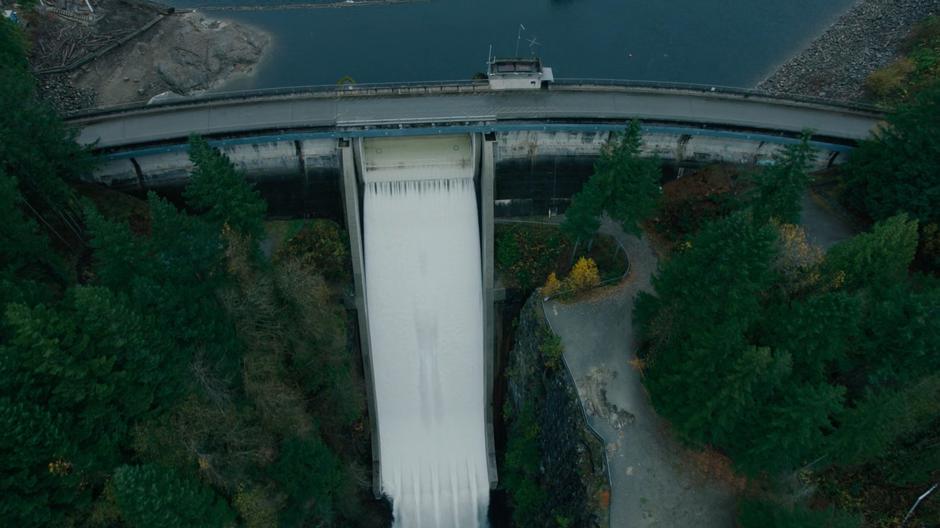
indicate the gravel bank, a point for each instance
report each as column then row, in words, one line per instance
column 865, row 38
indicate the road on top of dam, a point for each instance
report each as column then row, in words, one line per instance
column 276, row 113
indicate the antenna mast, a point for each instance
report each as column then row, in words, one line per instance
column 519, row 37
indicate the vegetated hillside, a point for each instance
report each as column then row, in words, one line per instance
column 166, row 372
column 817, row 372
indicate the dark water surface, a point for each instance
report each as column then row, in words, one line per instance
column 720, row 42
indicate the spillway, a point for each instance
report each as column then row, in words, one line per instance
column 425, row 307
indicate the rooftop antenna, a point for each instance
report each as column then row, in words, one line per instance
column 489, row 56
column 519, row 37
column 534, row 41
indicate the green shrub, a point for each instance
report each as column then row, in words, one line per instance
column 521, row 473
column 551, row 349
column 890, row 81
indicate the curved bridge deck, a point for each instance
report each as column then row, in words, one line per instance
column 356, row 108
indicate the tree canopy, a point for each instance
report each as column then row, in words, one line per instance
column 781, row 185
column 898, row 169
column 223, row 196
column 625, row 185
column 778, row 376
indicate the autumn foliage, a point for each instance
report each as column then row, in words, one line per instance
column 583, row 276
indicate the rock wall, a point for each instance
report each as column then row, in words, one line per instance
column 569, row 465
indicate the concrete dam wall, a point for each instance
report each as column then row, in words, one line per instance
column 536, row 170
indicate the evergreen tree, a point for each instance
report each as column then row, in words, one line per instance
column 93, row 361
column 703, row 373
column 901, row 336
column 174, row 274
column 899, row 169
column 220, row 193
column 29, row 268
column 310, row 474
column 119, row 256
column 151, row 496
column 630, row 181
column 521, row 470
column 36, row 148
column 875, row 423
column 37, row 483
column 781, row 185
column 877, row 258
column 582, row 218
column 816, row 332
column 788, row 428
column 624, row 185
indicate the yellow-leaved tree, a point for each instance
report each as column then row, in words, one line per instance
column 583, row 276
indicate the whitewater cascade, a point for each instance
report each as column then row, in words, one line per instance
column 424, row 290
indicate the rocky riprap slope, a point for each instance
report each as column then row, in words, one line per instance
column 865, row 38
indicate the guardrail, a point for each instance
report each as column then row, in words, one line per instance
column 453, row 87
column 715, row 88
column 584, row 414
column 331, row 90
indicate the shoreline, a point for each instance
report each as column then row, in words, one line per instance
column 181, row 52
column 835, row 65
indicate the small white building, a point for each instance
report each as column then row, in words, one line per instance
column 520, row 73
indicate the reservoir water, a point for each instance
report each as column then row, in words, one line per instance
column 720, row 42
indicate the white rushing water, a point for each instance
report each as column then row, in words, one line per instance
column 424, row 291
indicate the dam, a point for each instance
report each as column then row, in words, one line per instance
column 417, row 174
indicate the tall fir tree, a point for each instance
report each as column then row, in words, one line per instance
column 703, row 374
column 625, row 185
column 781, row 186
column 877, row 258
column 898, row 169
column 220, row 193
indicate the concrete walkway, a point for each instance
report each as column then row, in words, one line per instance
column 654, row 484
